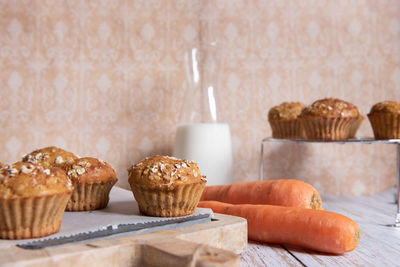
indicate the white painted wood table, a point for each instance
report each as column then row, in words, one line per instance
column 379, row 244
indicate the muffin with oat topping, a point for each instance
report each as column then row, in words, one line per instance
column 166, row 186
column 330, row 119
column 385, row 120
column 32, row 200
column 284, row 120
column 49, row 157
column 92, row 179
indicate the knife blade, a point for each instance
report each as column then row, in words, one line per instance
column 112, row 231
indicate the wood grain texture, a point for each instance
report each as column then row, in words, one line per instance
column 223, row 235
column 379, row 244
column 185, row 246
column 259, row 254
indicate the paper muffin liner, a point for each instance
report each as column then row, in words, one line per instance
column 355, row 126
column 163, row 202
column 385, row 126
column 328, row 128
column 90, row 196
column 31, row 217
column 287, row 129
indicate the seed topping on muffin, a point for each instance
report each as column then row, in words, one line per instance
column 165, row 169
column 49, row 157
column 166, row 186
column 26, row 179
column 35, row 158
column 93, row 180
column 89, row 170
column 78, row 168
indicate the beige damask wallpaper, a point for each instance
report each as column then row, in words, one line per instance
column 105, row 78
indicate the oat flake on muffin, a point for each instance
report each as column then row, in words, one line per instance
column 32, row 200
column 49, row 157
column 93, row 179
column 166, row 186
column 330, row 119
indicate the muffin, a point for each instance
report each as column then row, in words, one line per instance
column 284, row 120
column 356, row 126
column 330, row 119
column 32, row 200
column 165, row 186
column 385, row 120
column 92, row 179
column 49, row 157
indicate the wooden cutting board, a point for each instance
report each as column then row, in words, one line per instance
column 215, row 243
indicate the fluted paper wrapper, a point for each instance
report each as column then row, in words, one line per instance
column 122, row 210
column 90, row 196
column 287, row 129
column 163, row 202
column 385, row 126
column 31, row 217
column 355, row 126
column 328, row 128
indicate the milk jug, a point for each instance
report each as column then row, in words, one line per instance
column 201, row 136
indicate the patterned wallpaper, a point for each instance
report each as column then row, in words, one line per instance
column 105, row 78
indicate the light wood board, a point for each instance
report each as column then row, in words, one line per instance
column 215, row 243
column 379, row 244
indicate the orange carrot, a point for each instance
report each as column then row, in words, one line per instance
column 312, row 229
column 282, row 192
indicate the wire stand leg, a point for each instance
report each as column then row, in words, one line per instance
column 261, row 174
column 397, row 222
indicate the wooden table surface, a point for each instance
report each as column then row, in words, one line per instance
column 379, row 244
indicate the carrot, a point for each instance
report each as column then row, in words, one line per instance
column 312, row 229
column 282, row 192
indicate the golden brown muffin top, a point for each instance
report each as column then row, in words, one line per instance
column 49, row 157
column 386, row 107
column 164, row 171
column 331, row 108
column 23, row 179
column 285, row 111
column 90, row 170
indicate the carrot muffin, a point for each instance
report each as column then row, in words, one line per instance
column 284, row 120
column 92, row 179
column 385, row 120
column 330, row 119
column 49, row 157
column 165, row 186
column 32, row 200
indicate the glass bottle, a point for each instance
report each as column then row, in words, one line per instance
column 201, row 136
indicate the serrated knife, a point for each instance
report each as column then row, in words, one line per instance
column 112, row 231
